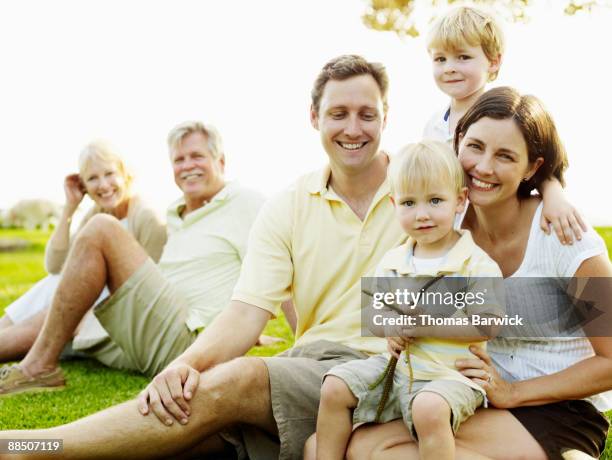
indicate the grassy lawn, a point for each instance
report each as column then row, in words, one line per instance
column 92, row 386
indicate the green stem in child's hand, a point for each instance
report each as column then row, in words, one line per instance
column 387, row 376
column 384, row 374
column 389, row 371
column 410, row 371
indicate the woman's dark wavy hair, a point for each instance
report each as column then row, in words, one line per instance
column 534, row 122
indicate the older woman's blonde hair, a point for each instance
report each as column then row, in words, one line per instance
column 423, row 165
column 103, row 152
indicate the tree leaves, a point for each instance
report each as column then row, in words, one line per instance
column 407, row 17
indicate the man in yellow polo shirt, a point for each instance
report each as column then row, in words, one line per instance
column 313, row 243
column 155, row 311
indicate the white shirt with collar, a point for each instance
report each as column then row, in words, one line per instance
column 438, row 127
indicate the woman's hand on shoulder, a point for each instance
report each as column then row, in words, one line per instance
column 481, row 371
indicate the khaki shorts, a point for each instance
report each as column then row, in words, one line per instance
column 359, row 375
column 295, row 390
column 145, row 319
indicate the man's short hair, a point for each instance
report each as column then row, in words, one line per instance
column 347, row 66
column 468, row 25
column 179, row 132
column 423, row 165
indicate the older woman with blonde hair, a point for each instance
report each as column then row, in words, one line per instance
column 104, row 176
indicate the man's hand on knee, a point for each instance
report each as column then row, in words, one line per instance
column 168, row 394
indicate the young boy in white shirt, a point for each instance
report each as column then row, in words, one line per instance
column 466, row 46
column 433, row 398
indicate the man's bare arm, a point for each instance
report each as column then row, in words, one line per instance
column 233, row 332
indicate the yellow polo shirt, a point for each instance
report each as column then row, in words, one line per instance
column 434, row 358
column 308, row 245
column 205, row 249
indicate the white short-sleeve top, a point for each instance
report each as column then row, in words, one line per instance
column 526, row 358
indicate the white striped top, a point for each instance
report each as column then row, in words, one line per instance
column 546, row 257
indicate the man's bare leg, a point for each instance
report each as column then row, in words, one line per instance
column 234, row 392
column 213, row 447
column 17, row 339
column 104, row 253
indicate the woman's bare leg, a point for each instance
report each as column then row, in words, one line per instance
column 16, row 340
column 490, row 433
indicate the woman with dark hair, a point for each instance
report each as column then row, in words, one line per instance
column 547, row 392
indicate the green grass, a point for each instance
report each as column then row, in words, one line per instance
column 92, row 386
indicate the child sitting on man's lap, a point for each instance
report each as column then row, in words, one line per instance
column 427, row 184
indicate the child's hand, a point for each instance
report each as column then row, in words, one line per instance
column 561, row 214
column 564, row 222
column 395, row 345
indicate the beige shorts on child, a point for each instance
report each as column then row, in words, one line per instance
column 359, row 375
column 295, row 388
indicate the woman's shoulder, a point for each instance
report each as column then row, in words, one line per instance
column 562, row 260
column 139, row 206
column 141, row 213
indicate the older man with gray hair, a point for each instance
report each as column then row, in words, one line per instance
column 155, row 311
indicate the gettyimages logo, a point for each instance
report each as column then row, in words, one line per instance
column 516, row 307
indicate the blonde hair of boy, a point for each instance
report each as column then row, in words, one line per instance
column 423, row 165
column 103, row 152
column 179, row 132
column 468, row 25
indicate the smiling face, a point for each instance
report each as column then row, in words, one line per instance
column 493, row 153
column 462, row 73
column 105, row 184
column 196, row 170
column 427, row 214
column 350, row 119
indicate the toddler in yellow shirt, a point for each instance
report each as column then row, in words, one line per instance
column 428, row 191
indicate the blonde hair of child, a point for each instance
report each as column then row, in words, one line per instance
column 423, row 165
column 468, row 25
column 103, row 152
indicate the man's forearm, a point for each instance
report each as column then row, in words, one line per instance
column 233, row 332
